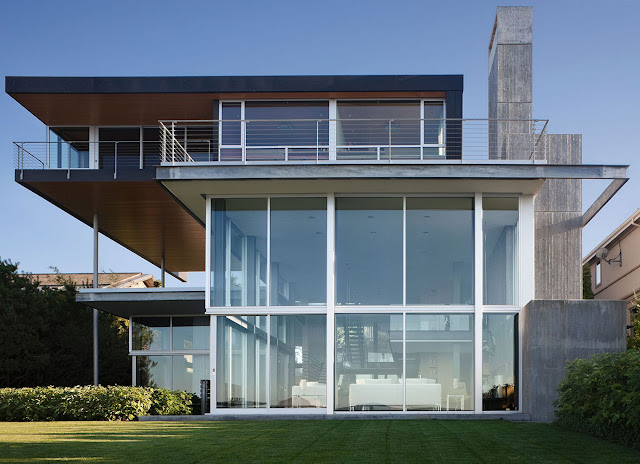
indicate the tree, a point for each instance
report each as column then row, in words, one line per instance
column 587, row 291
column 46, row 338
column 633, row 334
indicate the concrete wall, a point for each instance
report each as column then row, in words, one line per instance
column 558, row 207
column 555, row 332
column 558, row 226
column 510, row 82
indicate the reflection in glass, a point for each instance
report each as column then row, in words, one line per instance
column 439, row 362
column 439, row 251
column 231, row 126
column 188, row 370
column 296, row 123
column 499, row 362
column 368, row 369
column 434, row 122
column 238, row 252
column 378, row 123
column 298, row 251
column 153, row 371
column 191, row 333
column 298, row 361
column 151, row 333
column 242, row 362
column 369, row 251
column 500, row 231
column 68, row 147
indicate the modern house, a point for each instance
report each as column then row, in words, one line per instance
column 367, row 248
column 612, row 277
column 105, row 280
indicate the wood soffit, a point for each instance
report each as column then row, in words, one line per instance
column 141, row 216
column 148, row 108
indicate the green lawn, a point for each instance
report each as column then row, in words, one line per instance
column 310, row 442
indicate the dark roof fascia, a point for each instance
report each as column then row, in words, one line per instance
column 231, row 84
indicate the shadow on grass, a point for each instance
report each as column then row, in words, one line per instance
column 370, row 441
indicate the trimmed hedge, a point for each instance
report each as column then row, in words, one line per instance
column 90, row 403
column 601, row 396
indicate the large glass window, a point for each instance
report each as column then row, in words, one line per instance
column 298, row 251
column 368, row 251
column 368, row 369
column 151, row 333
column 242, row 362
column 176, row 372
column 499, row 362
column 439, row 251
column 238, row 252
column 188, row 371
column 500, row 232
column 298, row 361
column 439, row 362
column 119, row 143
column 191, row 333
column 68, row 147
column 153, row 371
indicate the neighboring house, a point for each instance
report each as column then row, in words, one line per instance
column 105, row 280
column 616, row 276
column 366, row 248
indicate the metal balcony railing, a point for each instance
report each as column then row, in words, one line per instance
column 298, row 141
column 351, row 140
column 105, row 155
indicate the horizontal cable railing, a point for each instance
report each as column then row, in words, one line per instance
column 297, row 141
column 107, row 155
column 325, row 140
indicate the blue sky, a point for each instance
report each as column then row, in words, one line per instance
column 586, row 66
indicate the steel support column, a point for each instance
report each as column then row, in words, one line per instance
column 95, row 311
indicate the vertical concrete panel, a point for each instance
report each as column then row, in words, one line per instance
column 558, row 226
column 555, row 332
column 510, row 81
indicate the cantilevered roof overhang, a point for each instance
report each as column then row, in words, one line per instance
column 134, row 211
column 144, row 301
column 145, row 100
column 189, row 183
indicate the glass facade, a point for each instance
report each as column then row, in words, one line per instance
column 404, row 334
column 151, row 333
column 298, row 361
column 439, row 251
column 369, row 251
column 500, row 232
column 239, row 240
column 288, row 353
column 368, row 365
column 298, row 251
column 499, row 362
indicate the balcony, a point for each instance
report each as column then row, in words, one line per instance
column 328, row 141
column 298, row 141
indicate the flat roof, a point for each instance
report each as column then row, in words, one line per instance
column 233, row 84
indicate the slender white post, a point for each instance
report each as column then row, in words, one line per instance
column 331, row 314
column 162, row 270
column 478, row 300
column 95, row 311
column 333, row 129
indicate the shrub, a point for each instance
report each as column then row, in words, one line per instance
column 89, row 403
column 168, row 402
column 600, row 396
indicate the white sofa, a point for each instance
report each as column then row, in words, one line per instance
column 309, row 395
column 421, row 393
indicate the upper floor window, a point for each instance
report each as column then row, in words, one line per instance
column 598, row 273
column 500, row 232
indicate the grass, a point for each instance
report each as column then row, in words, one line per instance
column 366, row 441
